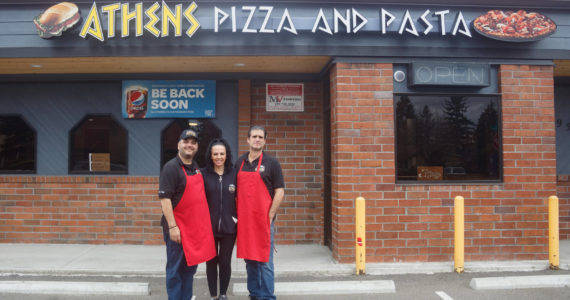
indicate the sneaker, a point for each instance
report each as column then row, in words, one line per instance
column 223, row 297
column 214, row 298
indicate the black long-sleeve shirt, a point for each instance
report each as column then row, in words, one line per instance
column 221, row 195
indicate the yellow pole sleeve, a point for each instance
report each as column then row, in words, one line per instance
column 360, row 251
column 459, row 247
column 553, row 233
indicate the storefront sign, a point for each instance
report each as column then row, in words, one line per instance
column 449, row 74
column 351, row 20
column 163, row 20
column 160, row 20
column 169, row 99
column 284, row 97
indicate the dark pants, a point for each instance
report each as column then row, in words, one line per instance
column 224, row 248
column 179, row 276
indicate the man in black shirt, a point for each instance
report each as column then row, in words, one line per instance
column 186, row 223
column 260, row 189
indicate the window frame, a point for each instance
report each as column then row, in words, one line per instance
column 35, row 144
column 70, row 147
column 500, row 180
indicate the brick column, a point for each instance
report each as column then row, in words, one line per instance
column 529, row 160
column 362, row 133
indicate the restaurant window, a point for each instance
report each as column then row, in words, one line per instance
column 448, row 137
column 17, row 145
column 170, row 136
column 98, row 144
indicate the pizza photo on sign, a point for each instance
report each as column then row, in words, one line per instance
column 519, row 26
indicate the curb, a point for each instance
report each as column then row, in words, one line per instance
column 75, row 288
column 520, row 282
column 291, row 270
column 325, row 288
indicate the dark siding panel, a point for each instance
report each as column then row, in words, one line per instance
column 53, row 109
column 390, row 46
column 562, row 109
column 20, row 13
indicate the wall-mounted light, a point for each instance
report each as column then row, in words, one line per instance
column 36, row 66
column 399, row 76
column 239, row 65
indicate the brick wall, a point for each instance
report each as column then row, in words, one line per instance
column 404, row 222
column 125, row 210
column 295, row 138
column 504, row 221
column 564, row 206
column 362, row 139
column 80, row 210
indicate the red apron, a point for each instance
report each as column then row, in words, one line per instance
column 192, row 216
column 253, row 204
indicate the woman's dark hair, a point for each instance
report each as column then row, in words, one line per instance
column 228, row 165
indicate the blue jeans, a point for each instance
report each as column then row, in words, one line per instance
column 179, row 276
column 261, row 276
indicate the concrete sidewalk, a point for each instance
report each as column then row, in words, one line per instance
column 290, row 260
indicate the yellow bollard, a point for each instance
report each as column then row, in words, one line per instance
column 553, row 233
column 360, row 222
column 459, row 246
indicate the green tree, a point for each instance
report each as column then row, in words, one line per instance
column 459, row 129
column 406, row 136
column 487, row 134
column 426, row 136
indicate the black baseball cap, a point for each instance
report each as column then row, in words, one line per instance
column 188, row 133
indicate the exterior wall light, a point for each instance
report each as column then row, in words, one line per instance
column 399, row 76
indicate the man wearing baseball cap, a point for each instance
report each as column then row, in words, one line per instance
column 186, row 219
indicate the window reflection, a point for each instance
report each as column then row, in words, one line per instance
column 447, row 137
column 206, row 130
column 17, row 145
column 98, row 144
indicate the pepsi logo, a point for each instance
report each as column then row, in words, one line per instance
column 138, row 98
